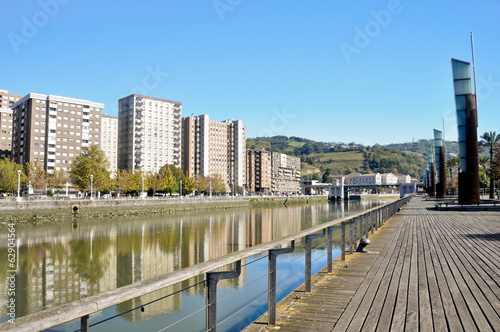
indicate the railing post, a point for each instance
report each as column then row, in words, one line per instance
column 84, row 323
column 271, row 301
column 330, row 245
column 355, row 232
column 342, row 246
column 351, row 234
column 212, row 279
column 367, row 228
column 372, row 223
column 309, row 239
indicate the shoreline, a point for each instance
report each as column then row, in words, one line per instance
column 79, row 210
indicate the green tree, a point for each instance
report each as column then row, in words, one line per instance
column 35, row 175
column 92, row 161
column 218, row 184
column 188, row 186
column 451, row 164
column 8, row 174
column 58, row 179
column 169, row 183
column 202, row 184
column 491, row 140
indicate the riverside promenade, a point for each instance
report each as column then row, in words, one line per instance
column 426, row 270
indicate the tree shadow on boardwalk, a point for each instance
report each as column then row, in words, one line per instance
column 486, row 237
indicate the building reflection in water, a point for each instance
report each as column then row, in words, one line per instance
column 60, row 263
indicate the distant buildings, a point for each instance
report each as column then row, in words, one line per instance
column 357, row 179
column 52, row 129
column 149, row 133
column 214, row 147
column 259, row 171
column 272, row 172
column 109, row 140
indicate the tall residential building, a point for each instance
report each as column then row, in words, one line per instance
column 214, row 147
column 285, row 173
column 6, row 132
column 109, row 140
column 259, row 171
column 53, row 129
column 149, row 133
column 6, row 101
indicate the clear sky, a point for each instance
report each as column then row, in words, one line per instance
column 335, row 71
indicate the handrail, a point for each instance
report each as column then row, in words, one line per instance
column 77, row 309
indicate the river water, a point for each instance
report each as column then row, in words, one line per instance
column 64, row 262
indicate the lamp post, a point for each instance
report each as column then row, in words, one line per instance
column 18, row 185
column 180, row 192
column 142, row 195
column 210, row 185
column 91, row 184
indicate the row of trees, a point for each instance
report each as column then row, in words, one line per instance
column 91, row 168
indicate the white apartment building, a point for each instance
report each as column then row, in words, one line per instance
column 214, row 147
column 389, row 179
column 109, row 140
column 285, row 173
column 404, row 179
column 357, row 179
column 53, row 129
column 149, row 133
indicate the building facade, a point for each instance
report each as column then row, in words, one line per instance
column 214, row 148
column 109, row 140
column 259, row 171
column 6, row 121
column 149, row 133
column 285, row 173
column 52, row 129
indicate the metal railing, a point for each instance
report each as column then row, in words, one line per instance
column 359, row 225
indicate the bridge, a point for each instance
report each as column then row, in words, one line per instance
column 339, row 190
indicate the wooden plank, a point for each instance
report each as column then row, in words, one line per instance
column 425, row 319
column 345, row 320
column 477, row 303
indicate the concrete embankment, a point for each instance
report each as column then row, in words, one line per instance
column 74, row 210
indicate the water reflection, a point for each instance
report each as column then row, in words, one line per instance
column 60, row 263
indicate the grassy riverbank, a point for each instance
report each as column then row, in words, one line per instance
column 79, row 210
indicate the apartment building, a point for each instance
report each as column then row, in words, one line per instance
column 109, row 140
column 54, row 129
column 285, row 173
column 214, row 147
column 6, row 101
column 149, row 133
column 259, row 171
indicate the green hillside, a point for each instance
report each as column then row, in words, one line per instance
column 322, row 160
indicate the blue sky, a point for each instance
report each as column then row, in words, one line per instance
column 336, row 71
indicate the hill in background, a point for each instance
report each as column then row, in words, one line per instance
column 321, row 160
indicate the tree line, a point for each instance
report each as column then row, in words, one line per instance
column 91, row 169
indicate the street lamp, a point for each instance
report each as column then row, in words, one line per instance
column 180, row 192
column 18, row 185
column 210, row 184
column 91, row 184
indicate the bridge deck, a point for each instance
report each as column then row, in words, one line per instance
column 427, row 270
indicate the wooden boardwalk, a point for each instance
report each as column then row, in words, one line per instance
column 427, row 270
